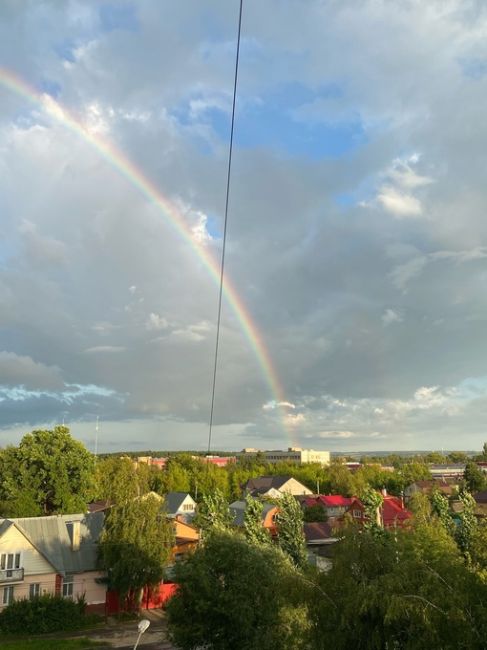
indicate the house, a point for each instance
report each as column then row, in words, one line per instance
column 448, row 487
column 274, row 486
column 180, row 504
column 187, row 539
column 56, row 555
column 393, row 512
column 320, row 539
column 336, row 506
column 481, row 501
column 269, row 512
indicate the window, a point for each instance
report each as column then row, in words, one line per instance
column 68, row 587
column 188, row 506
column 8, row 595
column 34, row 589
column 8, row 562
column 357, row 514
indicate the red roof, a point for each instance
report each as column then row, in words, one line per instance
column 335, row 501
column 393, row 511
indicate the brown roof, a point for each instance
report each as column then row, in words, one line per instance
column 317, row 531
column 481, row 497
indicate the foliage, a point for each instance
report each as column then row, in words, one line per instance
column 213, row 513
column 43, row 614
column 372, row 501
column 474, row 477
column 52, row 644
column 290, row 537
column 407, row 589
column 441, row 508
column 255, row 533
column 135, row 545
column 49, row 472
column 314, row 513
column 237, row 595
column 467, row 522
column 118, row 480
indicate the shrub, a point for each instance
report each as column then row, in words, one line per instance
column 42, row 614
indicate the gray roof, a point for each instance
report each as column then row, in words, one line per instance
column 262, row 483
column 174, row 500
column 237, row 510
column 51, row 538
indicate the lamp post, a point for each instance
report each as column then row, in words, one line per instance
column 143, row 625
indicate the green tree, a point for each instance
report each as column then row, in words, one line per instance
column 255, row 533
column 49, row 472
column 441, row 508
column 213, row 513
column 135, row 545
column 314, row 513
column 474, row 477
column 118, row 481
column 467, row 522
column 290, row 537
column 238, row 596
column 372, row 500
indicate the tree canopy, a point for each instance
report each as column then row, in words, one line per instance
column 49, row 472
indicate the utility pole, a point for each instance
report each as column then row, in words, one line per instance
column 96, row 437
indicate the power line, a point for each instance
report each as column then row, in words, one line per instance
column 222, row 268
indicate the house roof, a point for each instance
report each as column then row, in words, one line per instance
column 335, row 500
column 237, row 509
column 317, row 531
column 481, row 497
column 393, row 511
column 174, row 501
column 267, row 482
column 50, row 536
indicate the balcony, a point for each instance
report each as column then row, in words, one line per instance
column 11, row 575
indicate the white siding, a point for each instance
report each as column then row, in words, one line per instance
column 13, row 541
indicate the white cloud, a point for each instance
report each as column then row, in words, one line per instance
column 156, row 322
column 390, row 316
column 273, row 404
column 399, row 204
column 105, row 348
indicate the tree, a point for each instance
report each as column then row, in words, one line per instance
column 474, row 477
column 372, row 500
column 255, row 533
column 441, row 508
column 213, row 513
column 240, row 596
column 467, row 523
column 135, row 545
column 402, row 589
column 118, row 480
column 290, row 537
column 49, row 472
column 314, row 513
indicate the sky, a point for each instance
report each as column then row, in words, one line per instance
column 357, row 225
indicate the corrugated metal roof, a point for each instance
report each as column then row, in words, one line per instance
column 50, row 536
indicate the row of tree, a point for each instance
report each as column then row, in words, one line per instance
column 51, row 472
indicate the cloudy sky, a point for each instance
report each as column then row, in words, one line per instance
column 357, row 235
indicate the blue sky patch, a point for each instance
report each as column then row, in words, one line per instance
column 118, row 16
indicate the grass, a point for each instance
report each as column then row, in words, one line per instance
column 51, row 644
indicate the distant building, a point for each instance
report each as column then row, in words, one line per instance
column 292, row 455
column 160, row 463
column 219, row 461
column 444, row 471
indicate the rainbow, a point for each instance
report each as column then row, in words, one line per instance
column 121, row 163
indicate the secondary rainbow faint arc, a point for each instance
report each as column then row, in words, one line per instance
column 122, row 164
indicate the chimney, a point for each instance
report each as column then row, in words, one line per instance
column 74, row 531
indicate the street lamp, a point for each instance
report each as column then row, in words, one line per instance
column 143, row 625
